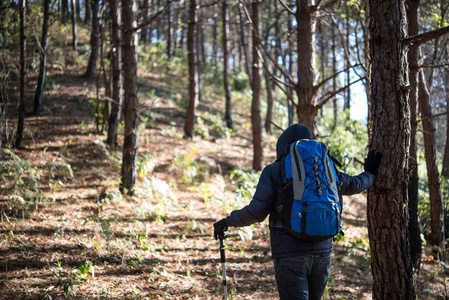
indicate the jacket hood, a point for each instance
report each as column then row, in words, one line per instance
column 290, row 135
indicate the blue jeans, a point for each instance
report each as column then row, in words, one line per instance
column 302, row 277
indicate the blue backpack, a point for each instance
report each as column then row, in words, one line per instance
column 312, row 201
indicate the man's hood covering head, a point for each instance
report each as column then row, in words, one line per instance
column 290, row 135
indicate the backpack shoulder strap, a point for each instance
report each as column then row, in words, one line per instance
column 298, row 172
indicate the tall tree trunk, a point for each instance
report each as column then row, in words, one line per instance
column 183, row 29
column 334, row 80
column 245, row 44
column 436, row 199
column 413, row 226
column 255, row 106
column 215, row 25
column 23, row 73
column 94, row 40
column 64, row 10
column 306, row 20
column 130, row 143
column 117, row 80
column 193, row 70
column 201, row 57
column 74, row 25
column 87, row 15
column 146, row 15
column 169, row 30
column 227, row 88
column 347, row 105
column 43, row 60
column 390, row 126
column 445, row 170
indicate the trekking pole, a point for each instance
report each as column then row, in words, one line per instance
column 222, row 237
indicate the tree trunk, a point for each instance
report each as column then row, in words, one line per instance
column 64, row 10
column 227, row 88
column 74, row 25
column 117, row 80
column 245, row 44
column 436, row 199
column 255, row 106
column 334, row 80
column 43, row 60
column 146, row 15
column 23, row 73
column 347, row 105
column 193, row 70
column 87, row 16
column 94, row 40
column 445, row 170
column 169, row 30
column 130, row 143
column 389, row 133
column 306, row 109
column 413, row 226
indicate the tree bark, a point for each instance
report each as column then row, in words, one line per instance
column 130, row 144
column 445, row 170
column 23, row 73
column 436, row 199
column 306, row 109
column 117, row 80
column 74, row 25
column 43, row 60
column 389, row 126
column 413, row 226
column 94, row 40
column 255, row 106
column 193, row 69
column 227, row 88
column 169, row 31
column 245, row 44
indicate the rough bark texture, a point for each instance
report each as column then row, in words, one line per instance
column 436, row 199
column 413, row 226
column 23, row 73
column 445, row 171
column 306, row 20
column 117, row 80
column 129, row 163
column 43, row 59
column 94, row 40
column 193, row 70
column 390, row 134
column 255, row 105
column 227, row 87
column 74, row 26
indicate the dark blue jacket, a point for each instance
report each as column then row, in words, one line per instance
column 265, row 201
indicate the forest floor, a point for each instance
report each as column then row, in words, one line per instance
column 81, row 239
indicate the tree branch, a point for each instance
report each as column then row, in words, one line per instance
column 418, row 39
column 330, row 95
column 259, row 42
column 286, row 7
column 154, row 17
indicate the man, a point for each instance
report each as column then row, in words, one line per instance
column 301, row 267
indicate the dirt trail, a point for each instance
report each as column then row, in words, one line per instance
column 88, row 242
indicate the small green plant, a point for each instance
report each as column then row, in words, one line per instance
column 245, row 182
column 188, row 169
column 201, row 128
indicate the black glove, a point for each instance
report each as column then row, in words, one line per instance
column 219, row 228
column 372, row 162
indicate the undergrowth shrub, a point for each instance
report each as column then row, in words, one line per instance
column 22, row 178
